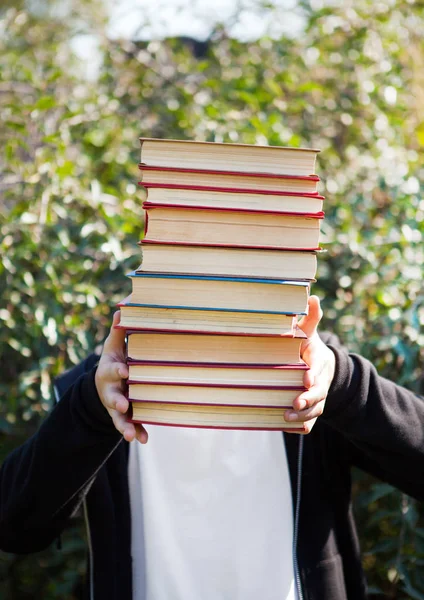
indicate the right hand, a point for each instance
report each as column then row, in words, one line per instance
column 321, row 361
column 110, row 383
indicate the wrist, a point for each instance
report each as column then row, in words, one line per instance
column 340, row 383
column 94, row 403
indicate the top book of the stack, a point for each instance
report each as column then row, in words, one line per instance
column 215, row 156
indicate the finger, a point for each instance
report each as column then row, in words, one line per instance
column 141, row 434
column 123, row 372
column 135, row 431
column 316, row 364
column 120, row 422
column 308, row 425
column 124, row 426
column 305, row 415
column 116, row 401
column 122, row 404
column 309, row 378
column 115, row 341
column 309, row 323
column 113, row 371
column 309, row 398
column 130, row 433
column 116, row 318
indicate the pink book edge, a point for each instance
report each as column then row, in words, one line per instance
column 284, row 429
column 307, row 215
column 232, row 173
column 200, row 188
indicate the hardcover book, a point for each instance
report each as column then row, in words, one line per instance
column 259, row 200
column 137, row 316
column 289, row 376
column 200, row 348
column 168, row 257
column 222, row 227
column 212, row 417
column 214, row 155
column 230, row 181
column 216, row 395
column 219, row 293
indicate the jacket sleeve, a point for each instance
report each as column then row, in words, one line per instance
column 43, row 481
column 381, row 422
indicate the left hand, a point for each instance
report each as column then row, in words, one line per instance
column 321, row 360
column 110, row 377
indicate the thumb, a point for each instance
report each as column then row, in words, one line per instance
column 115, row 341
column 309, row 323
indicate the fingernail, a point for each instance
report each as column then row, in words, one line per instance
column 290, row 416
column 301, row 404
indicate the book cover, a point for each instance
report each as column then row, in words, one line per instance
column 227, row 180
column 213, row 395
column 234, row 228
column 138, row 316
column 159, row 190
column 215, row 349
column 290, row 376
column 147, row 204
column 206, row 417
column 170, row 257
column 244, row 157
column 219, row 293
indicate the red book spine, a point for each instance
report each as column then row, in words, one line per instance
column 252, row 246
column 169, row 243
column 283, row 366
column 151, row 205
column 153, row 402
column 146, row 222
column 195, row 331
column 218, row 385
column 232, row 173
column 298, row 334
column 301, row 426
column 175, row 186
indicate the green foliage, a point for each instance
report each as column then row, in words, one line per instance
column 70, row 210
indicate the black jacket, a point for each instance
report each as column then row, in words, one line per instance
column 78, row 457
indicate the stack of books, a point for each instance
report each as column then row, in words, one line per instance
column 229, row 252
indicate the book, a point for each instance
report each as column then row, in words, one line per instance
column 212, row 417
column 172, row 347
column 229, row 251
column 260, row 200
column 213, row 395
column 230, row 181
column 230, row 262
column 225, row 227
column 136, row 316
column 226, row 156
column 290, row 376
column 219, row 293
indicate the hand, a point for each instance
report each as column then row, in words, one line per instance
column 110, row 375
column 321, row 360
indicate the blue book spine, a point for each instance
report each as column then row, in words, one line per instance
column 233, row 310
column 134, row 274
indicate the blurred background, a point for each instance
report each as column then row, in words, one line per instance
column 81, row 80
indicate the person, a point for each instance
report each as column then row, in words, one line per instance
column 214, row 514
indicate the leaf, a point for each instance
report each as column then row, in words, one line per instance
column 420, row 134
column 45, row 103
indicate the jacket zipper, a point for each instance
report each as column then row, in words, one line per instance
column 87, row 524
column 90, row 550
column 296, row 520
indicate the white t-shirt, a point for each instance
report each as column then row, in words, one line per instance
column 211, row 516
